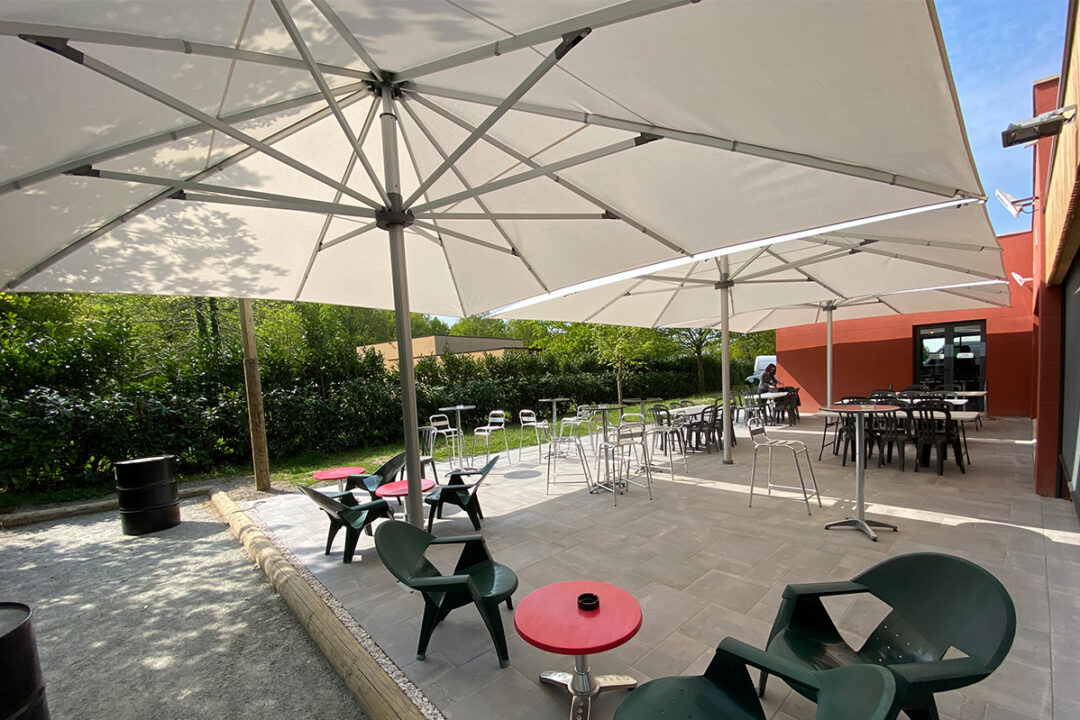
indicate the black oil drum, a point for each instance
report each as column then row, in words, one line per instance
column 22, row 691
column 149, row 498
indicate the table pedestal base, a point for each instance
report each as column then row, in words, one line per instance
column 861, row 524
column 584, row 686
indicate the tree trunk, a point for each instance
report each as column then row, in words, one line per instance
column 253, row 388
column 700, row 373
column 618, row 384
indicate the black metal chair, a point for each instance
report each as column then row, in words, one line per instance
column 344, row 512
column 935, row 428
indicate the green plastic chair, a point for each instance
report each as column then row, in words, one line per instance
column 858, row 692
column 477, row 579
column 343, row 512
column 460, row 494
column 939, row 603
column 371, row 481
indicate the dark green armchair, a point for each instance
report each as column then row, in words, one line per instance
column 371, row 481
column 477, row 579
column 938, row 603
column 343, row 512
column 459, row 493
column 858, row 692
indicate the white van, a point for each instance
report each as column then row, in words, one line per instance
column 760, row 363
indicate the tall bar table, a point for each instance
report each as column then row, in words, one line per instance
column 461, row 431
column 859, row 522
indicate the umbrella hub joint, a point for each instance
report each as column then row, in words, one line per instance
column 385, row 80
column 387, row 217
column 724, row 285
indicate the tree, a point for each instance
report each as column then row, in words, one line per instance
column 480, row 326
column 695, row 340
column 423, row 325
column 622, row 348
column 749, row 345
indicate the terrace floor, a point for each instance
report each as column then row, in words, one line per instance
column 704, row 565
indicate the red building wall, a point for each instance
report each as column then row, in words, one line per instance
column 873, row 352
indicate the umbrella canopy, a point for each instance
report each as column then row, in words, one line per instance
column 230, row 148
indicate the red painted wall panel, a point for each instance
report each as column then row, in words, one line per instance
column 874, row 352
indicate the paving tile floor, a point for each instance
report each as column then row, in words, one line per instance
column 705, row 565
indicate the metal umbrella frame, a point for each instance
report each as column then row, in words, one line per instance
column 530, row 135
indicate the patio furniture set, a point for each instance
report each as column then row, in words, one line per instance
column 937, row 602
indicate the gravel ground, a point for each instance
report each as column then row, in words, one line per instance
column 175, row 624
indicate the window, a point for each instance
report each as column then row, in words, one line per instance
column 951, row 356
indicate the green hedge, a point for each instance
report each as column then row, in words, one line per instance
column 54, row 438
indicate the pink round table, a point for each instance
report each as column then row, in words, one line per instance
column 550, row 619
column 339, row 474
column 400, row 488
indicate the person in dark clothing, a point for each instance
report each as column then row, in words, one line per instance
column 768, row 379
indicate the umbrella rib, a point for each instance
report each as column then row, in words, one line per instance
column 142, row 207
column 147, row 42
column 536, row 172
column 320, row 82
column 287, row 202
column 61, row 48
column 326, row 245
column 442, row 244
column 465, row 237
column 569, row 42
column 674, row 293
column 914, row 241
column 788, row 265
column 596, row 19
column 351, row 40
column 479, row 201
column 614, row 300
column 358, row 90
column 349, row 167
column 736, row 146
column 899, row 256
column 562, row 182
column 806, row 274
column 757, row 253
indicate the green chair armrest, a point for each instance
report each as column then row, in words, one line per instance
column 475, row 537
column 774, row 664
column 442, row 584
column 822, row 589
column 344, row 497
column 966, row 669
column 356, row 511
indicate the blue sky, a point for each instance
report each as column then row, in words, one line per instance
column 997, row 49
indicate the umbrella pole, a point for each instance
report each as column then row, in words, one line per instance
column 393, row 220
column 725, row 356
column 828, row 354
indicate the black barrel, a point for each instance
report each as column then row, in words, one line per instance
column 22, row 691
column 149, row 498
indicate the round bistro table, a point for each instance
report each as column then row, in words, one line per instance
column 338, row 474
column 400, row 488
column 549, row 618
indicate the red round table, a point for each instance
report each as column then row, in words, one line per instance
column 339, row 474
column 549, row 618
column 400, row 488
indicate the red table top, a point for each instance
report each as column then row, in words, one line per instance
column 337, row 473
column 549, row 618
column 400, row 488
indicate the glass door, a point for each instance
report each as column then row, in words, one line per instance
column 951, row 356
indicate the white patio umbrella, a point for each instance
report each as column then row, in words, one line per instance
column 947, row 259
column 226, row 148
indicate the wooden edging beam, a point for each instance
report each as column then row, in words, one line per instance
column 376, row 691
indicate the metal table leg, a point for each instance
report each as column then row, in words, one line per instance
column 859, row 522
column 584, row 686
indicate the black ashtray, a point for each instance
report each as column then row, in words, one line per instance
column 588, row 601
